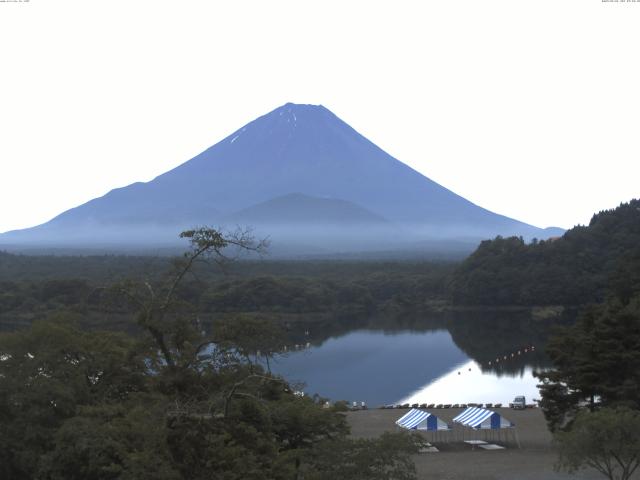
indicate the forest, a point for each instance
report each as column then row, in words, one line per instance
column 575, row 269
column 158, row 367
column 165, row 397
column 32, row 288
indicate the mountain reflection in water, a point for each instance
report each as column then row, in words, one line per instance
column 371, row 366
column 467, row 383
column 418, row 362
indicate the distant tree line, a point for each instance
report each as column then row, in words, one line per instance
column 293, row 289
column 576, row 269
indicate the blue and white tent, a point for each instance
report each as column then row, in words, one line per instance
column 482, row 419
column 420, row 420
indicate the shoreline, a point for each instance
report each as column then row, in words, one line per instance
column 535, row 459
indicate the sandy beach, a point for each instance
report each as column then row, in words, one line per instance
column 456, row 460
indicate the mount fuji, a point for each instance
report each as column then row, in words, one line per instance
column 298, row 174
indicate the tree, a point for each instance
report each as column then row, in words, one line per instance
column 178, row 339
column 607, row 440
column 384, row 458
column 250, row 337
column 596, row 362
column 578, row 268
column 47, row 375
column 125, row 441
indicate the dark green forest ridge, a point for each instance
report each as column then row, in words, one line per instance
column 575, row 269
column 32, row 288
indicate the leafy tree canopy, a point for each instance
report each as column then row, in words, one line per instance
column 175, row 402
column 596, row 362
column 607, row 440
column 576, row 269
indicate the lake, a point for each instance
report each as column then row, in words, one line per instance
column 441, row 365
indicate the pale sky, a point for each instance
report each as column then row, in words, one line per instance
column 528, row 108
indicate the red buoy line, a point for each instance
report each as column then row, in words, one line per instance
column 507, row 357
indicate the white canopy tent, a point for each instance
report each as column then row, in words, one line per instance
column 420, row 420
column 481, row 419
column 423, row 421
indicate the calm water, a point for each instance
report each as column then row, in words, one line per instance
column 381, row 367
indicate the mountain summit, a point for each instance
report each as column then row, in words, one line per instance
column 254, row 173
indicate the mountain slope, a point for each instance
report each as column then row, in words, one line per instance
column 296, row 209
column 295, row 148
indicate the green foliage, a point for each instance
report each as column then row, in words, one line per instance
column 47, row 374
column 250, row 337
column 31, row 288
column 233, row 450
column 341, row 406
column 291, row 295
column 121, row 441
column 607, row 440
column 573, row 270
column 174, row 402
column 384, row 458
column 84, row 405
column 597, row 359
column 301, row 422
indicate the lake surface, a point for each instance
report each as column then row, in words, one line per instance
column 408, row 366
